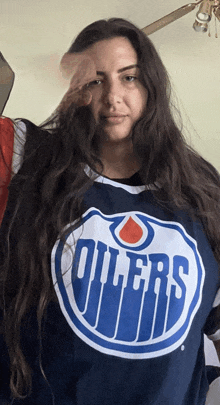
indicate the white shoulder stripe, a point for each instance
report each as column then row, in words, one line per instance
column 213, row 392
column 19, row 142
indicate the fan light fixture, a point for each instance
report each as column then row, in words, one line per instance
column 205, row 11
column 203, row 16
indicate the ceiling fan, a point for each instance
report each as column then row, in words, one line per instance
column 203, row 16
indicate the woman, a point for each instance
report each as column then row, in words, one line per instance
column 110, row 240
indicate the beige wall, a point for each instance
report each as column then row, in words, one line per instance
column 35, row 34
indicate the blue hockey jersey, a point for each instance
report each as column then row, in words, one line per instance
column 135, row 285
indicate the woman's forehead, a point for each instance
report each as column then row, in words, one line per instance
column 106, row 55
column 115, row 51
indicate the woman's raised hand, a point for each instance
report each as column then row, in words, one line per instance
column 6, row 82
column 81, row 70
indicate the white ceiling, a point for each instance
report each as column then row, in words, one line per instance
column 35, row 34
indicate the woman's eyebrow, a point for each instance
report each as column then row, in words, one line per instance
column 99, row 73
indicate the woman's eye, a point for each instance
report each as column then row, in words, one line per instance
column 95, row 83
column 130, row 78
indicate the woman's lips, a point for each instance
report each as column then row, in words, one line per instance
column 114, row 119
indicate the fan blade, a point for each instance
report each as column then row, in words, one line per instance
column 217, row 12
column 6, row 82
column 169, row 18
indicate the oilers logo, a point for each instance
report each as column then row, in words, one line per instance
column 128, row 284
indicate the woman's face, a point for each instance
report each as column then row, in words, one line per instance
column 118, row 97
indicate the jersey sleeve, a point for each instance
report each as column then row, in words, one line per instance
column 212, row 326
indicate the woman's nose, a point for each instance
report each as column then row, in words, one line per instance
column 113, row 94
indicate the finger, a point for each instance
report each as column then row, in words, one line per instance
column 86, row 72
column 84, row 99
column 80, row 98
column 79, row 67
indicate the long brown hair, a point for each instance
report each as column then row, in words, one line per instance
column 48, row 191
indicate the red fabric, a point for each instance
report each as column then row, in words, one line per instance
column 6, row 153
